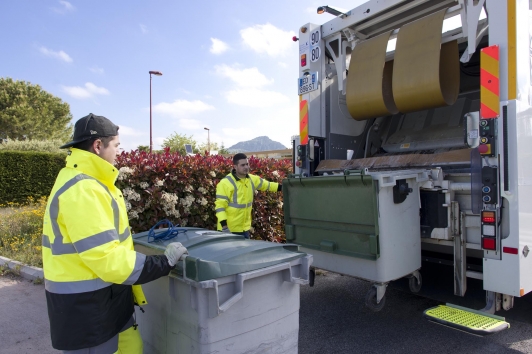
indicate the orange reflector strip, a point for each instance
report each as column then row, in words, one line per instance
column 303, row 121
column 521, row 292
column 510, row 250
column 489, row 82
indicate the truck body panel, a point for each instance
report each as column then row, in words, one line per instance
column 474, row 210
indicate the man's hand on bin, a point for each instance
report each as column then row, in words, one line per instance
column 174, row 252
column 225, row 229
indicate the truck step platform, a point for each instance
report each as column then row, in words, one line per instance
column 464, row 319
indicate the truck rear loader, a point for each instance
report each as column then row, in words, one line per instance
column 415, row 143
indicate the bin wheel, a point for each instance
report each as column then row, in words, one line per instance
column 414, row 284
column 371, row 300
column 311, row 277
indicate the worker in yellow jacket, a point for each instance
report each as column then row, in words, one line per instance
column 92, row 274
column 234, row 196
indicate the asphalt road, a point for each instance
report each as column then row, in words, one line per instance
column 333, row 319
column 24, row 325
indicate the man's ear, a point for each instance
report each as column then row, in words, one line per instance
column 96, row 146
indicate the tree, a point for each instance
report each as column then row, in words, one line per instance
column 223, row 150
column 29, row 112
column 176, row 142
column 145, row 148
column 205, row 147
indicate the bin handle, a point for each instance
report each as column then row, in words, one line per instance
column 306, row 261
column 240, row 278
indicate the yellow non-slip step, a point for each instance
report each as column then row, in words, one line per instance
column 465, row 319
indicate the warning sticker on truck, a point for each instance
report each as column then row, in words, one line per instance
column 303, row 48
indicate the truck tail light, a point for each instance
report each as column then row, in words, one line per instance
column 489, row 243
column 303, row 60
column 488, row 230
column 488, row 217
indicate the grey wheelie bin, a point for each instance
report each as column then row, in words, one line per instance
column 229, row 295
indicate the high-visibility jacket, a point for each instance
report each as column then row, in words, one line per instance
column 234, row 199
column 90, row 268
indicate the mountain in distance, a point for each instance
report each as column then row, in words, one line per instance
column 261, row 143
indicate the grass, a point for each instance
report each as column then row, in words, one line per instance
column 21, row 231
column 5, row 271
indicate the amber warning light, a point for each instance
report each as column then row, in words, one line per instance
column 488, row 217
column 303, row 60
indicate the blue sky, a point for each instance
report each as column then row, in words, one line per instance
column 230, row 66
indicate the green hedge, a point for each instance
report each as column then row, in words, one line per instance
column 25, row 174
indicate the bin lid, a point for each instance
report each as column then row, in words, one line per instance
column 214, row 254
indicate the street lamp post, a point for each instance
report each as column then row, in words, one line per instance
column 208, row 139
column 158, row 73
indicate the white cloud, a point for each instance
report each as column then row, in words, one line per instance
column 253, row 97
column 129, row 143
column 267, row 122
column 248, row 90
column 229, row 141
column 180, row 108
column 68, row 6
column 97, row 70
column 128, row 131
column 191, row 124
column 238, row 132
column 65, row 7
column 88, row 91
column 159, row 140
column 268, row 39
column 283, row 64
column 143, row 28
column 57, row 55
column 218, row 46
column 244, row 78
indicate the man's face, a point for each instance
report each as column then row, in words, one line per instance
column 110, row 152
column 242, row 167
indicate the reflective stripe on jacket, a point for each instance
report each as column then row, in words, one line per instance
column 88, row 258
column 234, row 199
column 84, row 224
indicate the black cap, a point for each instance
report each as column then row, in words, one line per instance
column 91, row 126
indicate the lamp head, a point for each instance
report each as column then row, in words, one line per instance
column 323, row 9
column 153, row 72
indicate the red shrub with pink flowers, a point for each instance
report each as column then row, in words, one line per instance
column 182, row 189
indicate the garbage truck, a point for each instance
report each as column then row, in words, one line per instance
column 415, row 127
